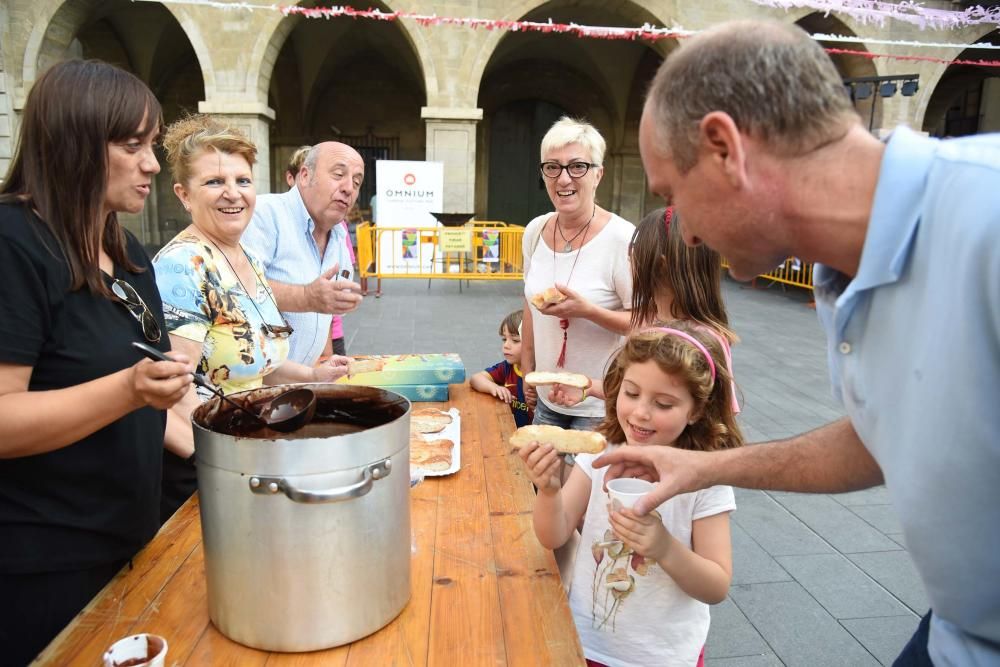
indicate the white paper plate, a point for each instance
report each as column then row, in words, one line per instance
column 453, row 432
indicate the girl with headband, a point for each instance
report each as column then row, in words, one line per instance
column 641, row 586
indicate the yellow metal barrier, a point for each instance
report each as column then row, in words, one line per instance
column 793, row 272
column 480, row 250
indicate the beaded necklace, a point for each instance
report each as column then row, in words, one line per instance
column 564, row 323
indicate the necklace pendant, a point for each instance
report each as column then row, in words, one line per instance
column 568, row 247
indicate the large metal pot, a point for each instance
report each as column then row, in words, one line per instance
column 306, row 534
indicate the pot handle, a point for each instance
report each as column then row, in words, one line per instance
column 272, row 485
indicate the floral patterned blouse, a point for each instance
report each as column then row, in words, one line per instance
column 204, row 301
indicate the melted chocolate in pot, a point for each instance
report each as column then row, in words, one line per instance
column 340, row 410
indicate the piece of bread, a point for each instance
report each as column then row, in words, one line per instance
column 429, row 420
column 356, row 366
column 564, row 440
column 577, row 380
column 432, row 455
column 547, row 296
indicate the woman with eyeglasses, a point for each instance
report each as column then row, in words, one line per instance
column 581, row 250
column 219, row 308
column 82, row 413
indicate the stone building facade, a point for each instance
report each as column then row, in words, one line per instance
column 476, row 100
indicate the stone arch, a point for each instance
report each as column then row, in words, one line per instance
column 950, row 82
column 59, row 23
column 362, row 81
column 523, row 9
column 52, row 34
column 590, row 78
column 870, row 108
column 266, row 50
column 148, row 39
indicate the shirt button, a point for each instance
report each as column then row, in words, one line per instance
column 844, row 347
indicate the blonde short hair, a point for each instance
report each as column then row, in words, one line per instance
column 295, row 162
column 566, row 131
column 189, row 137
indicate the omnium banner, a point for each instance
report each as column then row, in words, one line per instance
column 408, row 192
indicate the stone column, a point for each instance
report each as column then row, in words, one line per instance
column 254, row 119
column 628, row 188
column 896, row 110
column 6, row 124
column 451, row 139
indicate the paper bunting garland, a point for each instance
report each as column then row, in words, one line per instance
column 863, row 10
column 874, row 11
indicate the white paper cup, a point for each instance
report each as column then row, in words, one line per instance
column 142, row 650
column 624, row 491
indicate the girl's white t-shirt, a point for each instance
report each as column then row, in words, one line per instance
column 602, row 276
column 654, row 623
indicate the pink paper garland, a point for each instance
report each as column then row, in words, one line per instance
column 862, row 9
column 930, row 59
column 645, row 33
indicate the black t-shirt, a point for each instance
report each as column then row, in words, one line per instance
column 95, row 501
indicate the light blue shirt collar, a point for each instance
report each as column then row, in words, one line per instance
column 894, row 218
column 336, row 234
column 895, row 213
column 301, row 212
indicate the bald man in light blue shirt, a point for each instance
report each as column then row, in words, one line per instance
column 298, row 238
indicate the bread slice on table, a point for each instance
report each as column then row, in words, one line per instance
column 429, row 420
column 577, row 380
column 563, row 440
column 547, row 296
column 432, row 455
column 356, row 366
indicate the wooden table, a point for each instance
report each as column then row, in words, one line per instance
column 484, row 591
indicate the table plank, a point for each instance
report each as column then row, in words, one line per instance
column 507, row 484
column 213, row 648
column 466, row 627
column 530, row 587
column 113, row 612
column 405, row 641
column 180, row 611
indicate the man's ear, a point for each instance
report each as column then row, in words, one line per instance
column 722, row 144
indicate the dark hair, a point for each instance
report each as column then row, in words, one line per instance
column 663, row 265
column 715, row 426
column 512, row 322
column 60, row 165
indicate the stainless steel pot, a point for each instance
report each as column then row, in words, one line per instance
column 306, row 534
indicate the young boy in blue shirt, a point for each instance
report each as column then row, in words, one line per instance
column 505, row 379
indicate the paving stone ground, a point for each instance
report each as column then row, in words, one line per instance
column 819, row 579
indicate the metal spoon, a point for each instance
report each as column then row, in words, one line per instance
column 286, row 412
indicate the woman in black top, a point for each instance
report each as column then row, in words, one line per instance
column 81, row 413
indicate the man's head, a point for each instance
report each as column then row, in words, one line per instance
column 738, row 90
column 772, row 79
column 329, row 180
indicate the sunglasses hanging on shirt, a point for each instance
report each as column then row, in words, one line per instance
column 128, row 297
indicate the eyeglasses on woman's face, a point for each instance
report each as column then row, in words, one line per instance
column 128, row 297
column 552, row 169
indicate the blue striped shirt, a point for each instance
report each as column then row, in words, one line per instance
column 280, row 235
